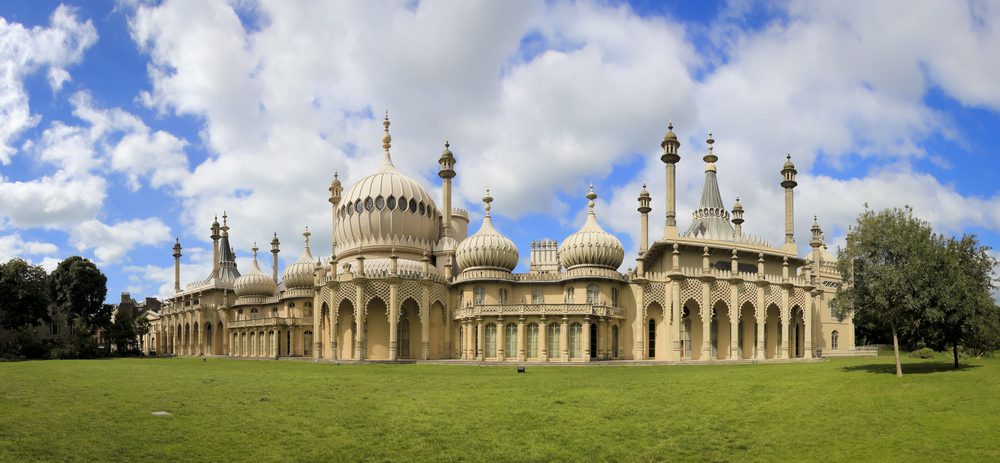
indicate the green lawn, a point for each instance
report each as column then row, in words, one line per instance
column 231, row 410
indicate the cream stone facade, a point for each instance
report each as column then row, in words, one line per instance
column 407, row 281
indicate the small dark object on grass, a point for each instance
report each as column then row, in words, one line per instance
column 520, row 369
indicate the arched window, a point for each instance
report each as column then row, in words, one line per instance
column 714, row 336
column 592, row 293
column 239, row 314
column 491, row 340
column 614, row 341
column 569, row 295
column 369, row 204
column 652, row 339
column 532, row 335
column 390, row 203
column 307, row 339
column 404, row 338
column 614, row 297
column 358, row 207
column 274, row 312
column 503, row 295
column 552, row 340
column 478, row 295
column 834, row 340
column 379, row 202
column 402, row 204
column 510, row 340
column 537, row 297
column 413, row 205
column 253, row 314
column 575, row 340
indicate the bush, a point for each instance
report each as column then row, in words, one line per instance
column 923, row 353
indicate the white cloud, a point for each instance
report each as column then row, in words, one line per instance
column 13, row 245
column 196, row 265
column 22, row 52
column 111, row 243
column 52, row 201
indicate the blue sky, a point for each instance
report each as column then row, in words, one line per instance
column 125, row 125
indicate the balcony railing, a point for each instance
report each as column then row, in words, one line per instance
column 501, row 310
column 271, row 321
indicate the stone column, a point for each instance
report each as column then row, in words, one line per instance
column 807, row 343
column 706, row 321
column 317, row 326
column 425, row 325
column 564, row 339
column 394, row 310
column 543, row 340
column 501, row 337
column 675, row 316
column 274, row 343
column 734, row 320
column 586, row 339
column 521, row 340
column 785, row 319
column 359, row 320
column 479, row 340
column 760, row 349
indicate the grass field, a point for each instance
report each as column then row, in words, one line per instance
column 231, row 410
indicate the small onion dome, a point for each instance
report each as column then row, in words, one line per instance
column 670, row 135
column 788, row 162
column 591, row 246
column 254, row 282
column 737, row 206
column 487, row 248
column 300, row 273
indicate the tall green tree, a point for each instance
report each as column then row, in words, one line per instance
column 887, row 263
column 24, row 297
column 963, row 312
column 78, row 289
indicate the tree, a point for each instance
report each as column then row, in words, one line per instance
column 886, row 264
column 78, row 288
column 24, row 298
column 126, row 329
column 962, row 312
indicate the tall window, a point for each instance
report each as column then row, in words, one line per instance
column 532, row 347
column 614, row 297
column 739, row 339
column 503, row 295
column 253, row 314
column 714, row 336
column 491, row 340
column 53, row 329
column 614, row 341
column 510, row 340
column 592, row 293
column 575, row 339
column 404, row 338
column 569, row 295
column 478, row 295
column 552, row 340
column 652, row 339
column 536, row 296
column 308, row 340
column 834, row 340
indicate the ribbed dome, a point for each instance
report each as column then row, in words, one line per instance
column 300, row 273
column 254, row 282
column 591, row 246
column 386, row 208
column 487, row 248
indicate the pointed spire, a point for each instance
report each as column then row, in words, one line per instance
column 710, row 158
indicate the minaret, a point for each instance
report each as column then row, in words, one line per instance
column 215, row 247
column 644, row 211
column 447, row 172
column 335, row 190
column 670, row 158
column 274, row 251
column 788, row 183
column 738, row 217
column 386, row 144
column 177, row 265
column 816, row 243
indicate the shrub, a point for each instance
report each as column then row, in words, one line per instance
column 923, row 353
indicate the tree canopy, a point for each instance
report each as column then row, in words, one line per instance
column 24, row 296
column 78, row 289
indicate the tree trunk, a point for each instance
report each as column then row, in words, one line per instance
column 895, row 347
column 954, row 349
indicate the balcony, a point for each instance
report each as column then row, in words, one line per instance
column 555, row 310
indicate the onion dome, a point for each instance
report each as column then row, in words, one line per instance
column 670, row 136
column 254, row 283
column 591, row 246
column 386, row 209
column 788, row 162
column 487, row 248
column 300, row 273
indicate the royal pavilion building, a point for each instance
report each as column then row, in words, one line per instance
column 406, row 281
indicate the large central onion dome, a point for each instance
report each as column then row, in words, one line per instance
column 386, row 209
column 254, row 283
column 300, row 274
column 591, row 246
column 487, row 248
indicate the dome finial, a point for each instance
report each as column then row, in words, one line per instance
column 254, row 250
column 591, row 196
column 710, row 158
column 386, row 138
column 487, row 200
column 307, row 234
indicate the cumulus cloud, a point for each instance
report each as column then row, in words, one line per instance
column 111, row 243
column 23, row 51
column 13, row 245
